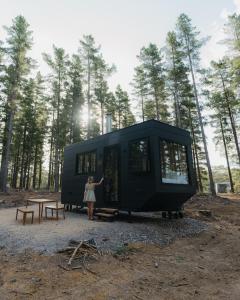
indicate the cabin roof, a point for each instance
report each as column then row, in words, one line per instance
column 145, row 124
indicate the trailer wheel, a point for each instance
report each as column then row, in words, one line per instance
column 164, row 215
column 176, row 215
column 169, row 215
column 180, row 214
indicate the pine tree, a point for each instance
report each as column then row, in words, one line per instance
column 58, row 64
column 88, row 52
column 177, row 79
column 19, row 41
column 222, row 82
column 151, row 61
column 101, row 90
column 191, row 46
column 75, row 93
column 140, row 86
column 222, row 130
column 124, row 115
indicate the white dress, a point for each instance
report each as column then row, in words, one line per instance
column 89, row 195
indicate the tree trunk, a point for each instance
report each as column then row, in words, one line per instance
column 22, row 158
column 142, row 103
column 40, row 174
column 199, row 181
column 226, row 154
column 88, row 99
column 231, row 119
column 6, row 152
column 175, row 94
column 16, row 167
column 35, row 167
column 211, row 182
column 56, row 158
column 102, row 117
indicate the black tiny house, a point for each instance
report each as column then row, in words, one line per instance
column 146, row 167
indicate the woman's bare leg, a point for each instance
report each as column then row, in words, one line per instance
column 89, row 210
column 91, row 214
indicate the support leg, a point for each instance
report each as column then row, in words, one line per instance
column 32, row 216
column 24, row 218
column 39, row 213
column 17, row 214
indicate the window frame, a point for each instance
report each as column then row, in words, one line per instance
column 84, row 159
column 160, row 159
column 148, row 155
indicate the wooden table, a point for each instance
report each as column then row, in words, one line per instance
column 40, row 203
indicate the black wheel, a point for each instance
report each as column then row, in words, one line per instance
column 169, row 215
column 176, row 215
column 180, row 214
column 164, row 215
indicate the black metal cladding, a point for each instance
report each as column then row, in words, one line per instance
column 133, row 185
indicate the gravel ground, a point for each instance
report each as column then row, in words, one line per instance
column 52, row 235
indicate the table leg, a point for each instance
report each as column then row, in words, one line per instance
column 39, row 213
column 42, row 211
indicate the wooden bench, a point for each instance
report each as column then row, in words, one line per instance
column 25, row 211
column 56, row 207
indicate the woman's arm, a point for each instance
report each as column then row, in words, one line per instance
column 100, row 182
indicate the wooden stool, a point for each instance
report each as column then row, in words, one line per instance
column 57, row 208
column 25, row 211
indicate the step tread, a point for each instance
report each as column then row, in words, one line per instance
column 104, row 215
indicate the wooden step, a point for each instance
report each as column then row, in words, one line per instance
column 105, row 216
column 106, row 210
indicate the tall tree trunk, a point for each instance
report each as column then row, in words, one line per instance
column 28, row 175
column 35, row 167
column 50, row 156
column 226, row 154
column 199, row 181
column 56, row 158
column 16, row 168
column 23, row 158
column 102, row 117
column 231, row 118
column 142, row 104
column 40, row 174
column 211, row 181
column 157, row 104
column 6, row 152
column 88, row 99
column 175, row 93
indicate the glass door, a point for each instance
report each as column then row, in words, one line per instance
column 111, row 174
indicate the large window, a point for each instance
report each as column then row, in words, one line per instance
column 174, row 163
column 139, row 156
column 86, row 163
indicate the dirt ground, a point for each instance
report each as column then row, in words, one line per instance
column 206, row 266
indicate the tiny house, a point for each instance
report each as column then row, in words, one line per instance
column 146, row 167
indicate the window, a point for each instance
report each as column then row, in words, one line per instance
column 174, row 163
column 86, row 163
column 139, row 156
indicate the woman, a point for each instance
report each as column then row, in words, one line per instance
column 89, row 195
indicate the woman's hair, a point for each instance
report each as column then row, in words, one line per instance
column 90, row 179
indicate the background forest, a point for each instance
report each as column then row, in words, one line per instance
column 40, row 115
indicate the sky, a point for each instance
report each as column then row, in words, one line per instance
column 122, row 28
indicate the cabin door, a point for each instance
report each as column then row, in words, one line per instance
column 111, row 174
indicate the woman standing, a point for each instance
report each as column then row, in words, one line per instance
column 89, row 195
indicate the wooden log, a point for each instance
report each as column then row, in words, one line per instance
column 74, row 253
